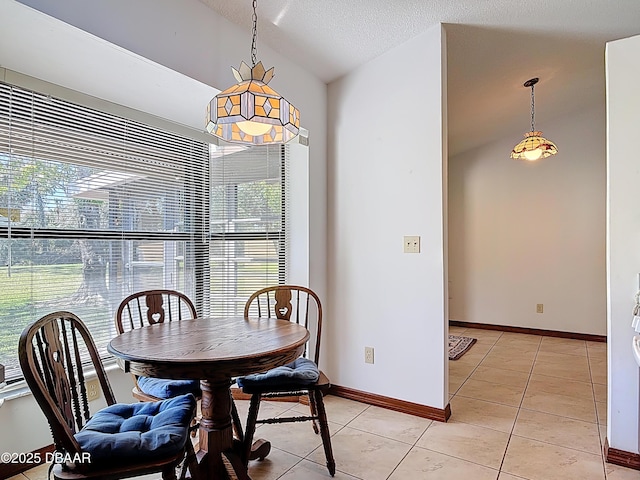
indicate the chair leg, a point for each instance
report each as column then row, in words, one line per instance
column 324, row 432
column 190, row 462
column 237, row 426
column 169, row 473
column 250, row 428
column 314, row 411
column 234, row 467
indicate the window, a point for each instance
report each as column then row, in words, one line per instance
column 94, row 207
column 248, row 241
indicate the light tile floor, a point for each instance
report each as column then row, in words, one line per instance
column 523, row 407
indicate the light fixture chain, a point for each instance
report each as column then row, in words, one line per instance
column 255, row 33
column 533, row 106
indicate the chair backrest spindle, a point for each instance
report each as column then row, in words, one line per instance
column 281, row 302
column 76, row 377
column 146, row 308
column 52, row 353
column 152, row 306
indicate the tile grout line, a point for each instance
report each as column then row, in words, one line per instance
column 595, row 407
column 474, row 368
column 520, row 407
column 415, row 444
column 332, row 435
column 504, row 455
column 521, row 400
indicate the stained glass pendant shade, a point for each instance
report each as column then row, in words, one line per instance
column 534, row 146
column 251, row 112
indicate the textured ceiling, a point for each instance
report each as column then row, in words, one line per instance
column 494, row 46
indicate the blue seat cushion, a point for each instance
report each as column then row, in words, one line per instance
column 138, row 430
column 162, row 388
column 301, row 371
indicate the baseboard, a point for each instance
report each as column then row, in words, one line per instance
column 620, row 457
column 530, row 331
column 8, row 470
column 438, row 414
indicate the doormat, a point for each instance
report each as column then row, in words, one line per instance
column 458, row 346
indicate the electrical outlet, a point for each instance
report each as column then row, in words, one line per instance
column 539, row 308
column 368, row 354
column 411, row 244
column 93, row 389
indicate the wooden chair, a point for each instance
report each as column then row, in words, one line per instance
column 147, row 308
column 53, row 353
column 301, row 305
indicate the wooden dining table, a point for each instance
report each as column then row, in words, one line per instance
column 214, row 350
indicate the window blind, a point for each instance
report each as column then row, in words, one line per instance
column 94, row 206
column 248, row 235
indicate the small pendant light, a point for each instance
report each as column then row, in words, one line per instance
column 534, row 146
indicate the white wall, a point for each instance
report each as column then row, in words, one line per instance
column 298, row 220
column 387, row 177
column 623, row 239
column 523, row 233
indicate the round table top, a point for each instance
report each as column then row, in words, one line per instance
column 209, row 347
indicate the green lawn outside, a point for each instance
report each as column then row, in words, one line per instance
column 33, row 291
column 23, row 291
column 17, row 290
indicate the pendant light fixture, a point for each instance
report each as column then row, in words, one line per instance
column 251, row 112
column 534, row 146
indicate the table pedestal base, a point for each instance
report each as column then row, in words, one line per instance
column 217, row 457
column 220, row 456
